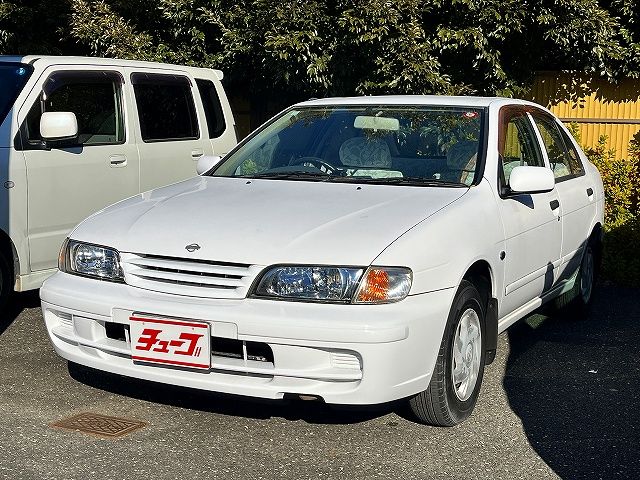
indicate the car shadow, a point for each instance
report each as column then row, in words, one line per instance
column 573, row 382
column 16, row 304
column 314, row 412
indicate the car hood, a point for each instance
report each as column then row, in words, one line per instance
column 264, row 222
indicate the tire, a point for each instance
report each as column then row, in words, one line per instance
column 447, row 402
column 577, row 301
column 6, row 281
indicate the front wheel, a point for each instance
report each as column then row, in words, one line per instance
column 457, row 376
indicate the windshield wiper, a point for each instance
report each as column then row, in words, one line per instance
column 413, row 181
column 326, row 177
column 430, row 182
column 289, row 175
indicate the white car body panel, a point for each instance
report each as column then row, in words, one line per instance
column 168, row 162
column 65, row 185
column 343, row 353
column 257, row 222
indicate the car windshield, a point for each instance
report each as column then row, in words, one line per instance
column 13, row 77
column 401, row 145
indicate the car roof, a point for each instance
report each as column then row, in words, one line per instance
column 47, row 60
column 444, row 100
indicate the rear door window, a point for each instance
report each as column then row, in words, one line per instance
column 95, row 98
column 166, row 108
column 212, row 107
column 563, row 158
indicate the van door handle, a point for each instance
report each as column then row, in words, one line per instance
column 118, row 160
column 195, row 154
column 589, row 191
column 554, row 204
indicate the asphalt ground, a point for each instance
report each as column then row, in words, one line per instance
column 560, row 401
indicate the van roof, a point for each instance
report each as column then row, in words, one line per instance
column 44, row 61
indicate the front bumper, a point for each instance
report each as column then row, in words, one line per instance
column 347, row 354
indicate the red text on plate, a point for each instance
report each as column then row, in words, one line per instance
column 149, row 341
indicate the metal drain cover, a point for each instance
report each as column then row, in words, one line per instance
column 99, row 425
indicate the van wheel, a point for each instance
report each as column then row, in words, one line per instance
column 6, row 281
column 578, row 300
column 457, row 375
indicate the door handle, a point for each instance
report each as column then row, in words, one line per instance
column 589, row 191
column 118, row 161
column 195, row 154
column 554, row 204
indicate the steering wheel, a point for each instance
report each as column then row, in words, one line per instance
column 320, row 164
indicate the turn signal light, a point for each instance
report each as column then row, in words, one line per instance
column 384, row 285
column 375, row 287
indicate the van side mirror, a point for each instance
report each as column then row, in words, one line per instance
column 206, row 163
column 56, row 126
column 527, row 179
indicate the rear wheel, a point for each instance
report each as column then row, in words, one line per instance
column 578, row 300
column 455, row 382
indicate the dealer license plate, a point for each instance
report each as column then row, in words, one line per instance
column 180, row 343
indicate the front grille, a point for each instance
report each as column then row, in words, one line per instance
column 195, row 278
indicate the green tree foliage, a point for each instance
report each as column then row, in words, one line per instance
column 621, row 180
column 35, row 26
column 297, row 48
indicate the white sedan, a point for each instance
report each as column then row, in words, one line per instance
column 352, row 250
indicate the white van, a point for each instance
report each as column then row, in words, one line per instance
column 78, row 134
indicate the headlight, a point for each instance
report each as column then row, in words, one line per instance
column 319, row 284
column 90, row 260
column 335, row 284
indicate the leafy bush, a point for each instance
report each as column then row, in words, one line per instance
column 621, row 179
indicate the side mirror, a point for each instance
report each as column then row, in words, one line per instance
column 206, row 163
column 526, row 179
column 55, row 126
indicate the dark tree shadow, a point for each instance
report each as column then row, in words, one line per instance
column 314, row 412
column 16, row 304
column 574, row 384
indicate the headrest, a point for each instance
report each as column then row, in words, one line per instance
column 463, row 155
column 365, row 153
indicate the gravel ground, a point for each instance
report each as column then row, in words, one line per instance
column 560, row 401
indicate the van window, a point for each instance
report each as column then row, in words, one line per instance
column 212, row 107
column 95, row 98
column 165, row 107
column 13, row 77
